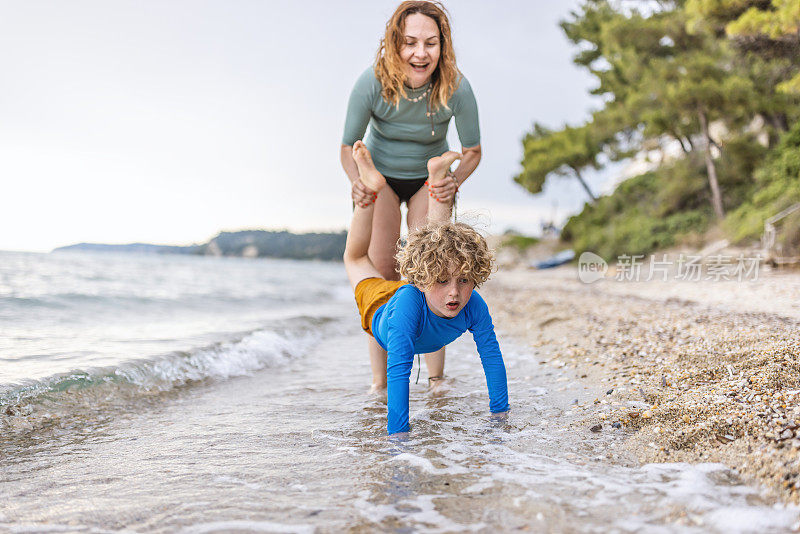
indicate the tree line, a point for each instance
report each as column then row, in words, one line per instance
column 718, row 79
column 327, row 246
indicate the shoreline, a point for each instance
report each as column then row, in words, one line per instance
column 697, row 373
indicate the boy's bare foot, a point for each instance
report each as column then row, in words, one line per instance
column 377, row 389
column 438, row 166
column 366, row 169
column 437, row 385
column 379, row 392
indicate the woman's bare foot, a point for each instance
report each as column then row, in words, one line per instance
column 366, row 169
column 438, row 166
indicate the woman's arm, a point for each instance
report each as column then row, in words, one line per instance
column 359, row 111
column 469, row 162
column 360, row 193
column 465, row 111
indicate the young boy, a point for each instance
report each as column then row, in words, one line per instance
column 442, row 262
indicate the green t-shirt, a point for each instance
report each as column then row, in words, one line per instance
column 400, row 139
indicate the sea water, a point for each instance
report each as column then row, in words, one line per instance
column 192, row 394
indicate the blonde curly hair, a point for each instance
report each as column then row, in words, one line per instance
column 389, row 65
column 436, row 248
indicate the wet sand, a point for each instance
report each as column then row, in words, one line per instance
column 689, row 371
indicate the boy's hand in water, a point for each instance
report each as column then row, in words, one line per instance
column 499, row 416
column 362, row 195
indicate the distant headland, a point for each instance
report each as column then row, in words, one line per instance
column 327, row 246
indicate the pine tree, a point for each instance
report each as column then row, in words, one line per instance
column 658, row 77
column 774, row 29
column 561, row 152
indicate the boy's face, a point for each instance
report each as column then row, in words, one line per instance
column 449, row 294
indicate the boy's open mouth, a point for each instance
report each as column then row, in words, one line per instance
column 452, row 306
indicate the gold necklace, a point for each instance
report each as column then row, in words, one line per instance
column 420, row 97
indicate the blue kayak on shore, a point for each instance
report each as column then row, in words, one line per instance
column 565, row 256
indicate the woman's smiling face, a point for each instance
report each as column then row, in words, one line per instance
column 421, row 50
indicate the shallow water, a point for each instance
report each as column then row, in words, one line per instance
column 294, row 443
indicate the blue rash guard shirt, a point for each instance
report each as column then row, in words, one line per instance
column 405, row 326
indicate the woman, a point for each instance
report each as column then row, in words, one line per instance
column 408, row 98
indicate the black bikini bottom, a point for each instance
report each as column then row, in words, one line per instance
column 405, row 189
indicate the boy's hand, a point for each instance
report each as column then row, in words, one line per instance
column 499, row 420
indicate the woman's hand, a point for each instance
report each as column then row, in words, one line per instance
column 445, row 190
column 362, row 195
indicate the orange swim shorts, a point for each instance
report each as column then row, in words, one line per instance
column 371, row 294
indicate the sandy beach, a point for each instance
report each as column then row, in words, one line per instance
column 691, row 371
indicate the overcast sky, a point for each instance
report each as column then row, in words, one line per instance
column 168, row 121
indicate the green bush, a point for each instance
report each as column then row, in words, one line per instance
column 776, row 187
column 660, row 208
column 518, row 241
column 788, row 238
column 644, row 213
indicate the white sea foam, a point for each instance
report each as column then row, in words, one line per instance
column 255, row 351
column 43, row 528
column 709, row 493
column 426, row 465
column 419, row 510
column 373, row 512
column 478, row 486
column 750, row 519
column 237, row 482
column 248, row 526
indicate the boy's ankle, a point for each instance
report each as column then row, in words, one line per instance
column 436, row 385
column 377, row 388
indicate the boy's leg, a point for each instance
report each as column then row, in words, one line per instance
column 377, row 363
column 437, row 211
column 434, row 362
column 437, row 172
column 356, row 258
column 356, row 252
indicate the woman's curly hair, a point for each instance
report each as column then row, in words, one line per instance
column 436, row 248
column 389, row 65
